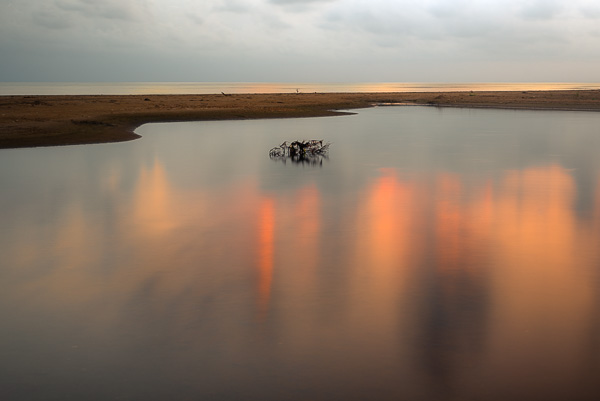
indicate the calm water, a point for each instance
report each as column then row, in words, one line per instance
column 436, row 254
column 161, row 88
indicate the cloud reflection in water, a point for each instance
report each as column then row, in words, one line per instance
column 417, row 283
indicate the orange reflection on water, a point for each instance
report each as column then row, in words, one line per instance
column 387, row 238
column 520, row 228
column 542, row 252
column 266, row 246
column 514, row 247
column 155, row 211
column 387, row 218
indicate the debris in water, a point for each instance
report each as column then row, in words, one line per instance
column 311, row 151
column 299, row 148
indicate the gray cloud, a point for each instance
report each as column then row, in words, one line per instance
column 495, row 24
column 541, row 9
column 591, row 11
column 127, row 10
column 50, row 20
column 233, row 6
column 295, row 2
column 196, row 19
column 288, row 39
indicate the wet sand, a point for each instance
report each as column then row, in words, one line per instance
column 30, row 121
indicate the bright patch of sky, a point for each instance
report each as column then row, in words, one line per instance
column 300, row 40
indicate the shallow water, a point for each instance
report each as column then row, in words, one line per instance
column 436, row 254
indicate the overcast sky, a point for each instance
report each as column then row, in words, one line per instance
column 300, row 40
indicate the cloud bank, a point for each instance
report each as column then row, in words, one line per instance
column 299, row 40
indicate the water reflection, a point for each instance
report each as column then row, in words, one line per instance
column 496, row 270
column 305, row 159
column 158, row 279
column 266, row 247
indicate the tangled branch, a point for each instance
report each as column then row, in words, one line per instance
column 300, row 149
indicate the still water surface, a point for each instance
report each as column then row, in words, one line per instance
column 436, row 254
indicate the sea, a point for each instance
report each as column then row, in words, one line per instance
column 187, row 88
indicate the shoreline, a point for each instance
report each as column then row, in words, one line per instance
column 58, row 120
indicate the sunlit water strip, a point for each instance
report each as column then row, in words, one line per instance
column 185, row 88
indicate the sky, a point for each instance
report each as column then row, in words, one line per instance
column 300, row 40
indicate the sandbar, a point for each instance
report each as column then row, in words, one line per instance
column 32, row 121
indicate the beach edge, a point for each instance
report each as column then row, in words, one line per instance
column 59, row 120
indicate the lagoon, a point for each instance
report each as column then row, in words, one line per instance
column 435, row 254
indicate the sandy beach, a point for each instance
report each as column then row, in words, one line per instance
column 31, row 121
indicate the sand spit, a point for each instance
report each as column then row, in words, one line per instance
column 30, row 121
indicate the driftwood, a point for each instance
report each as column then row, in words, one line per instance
column 311, row 151
column 300, row 148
